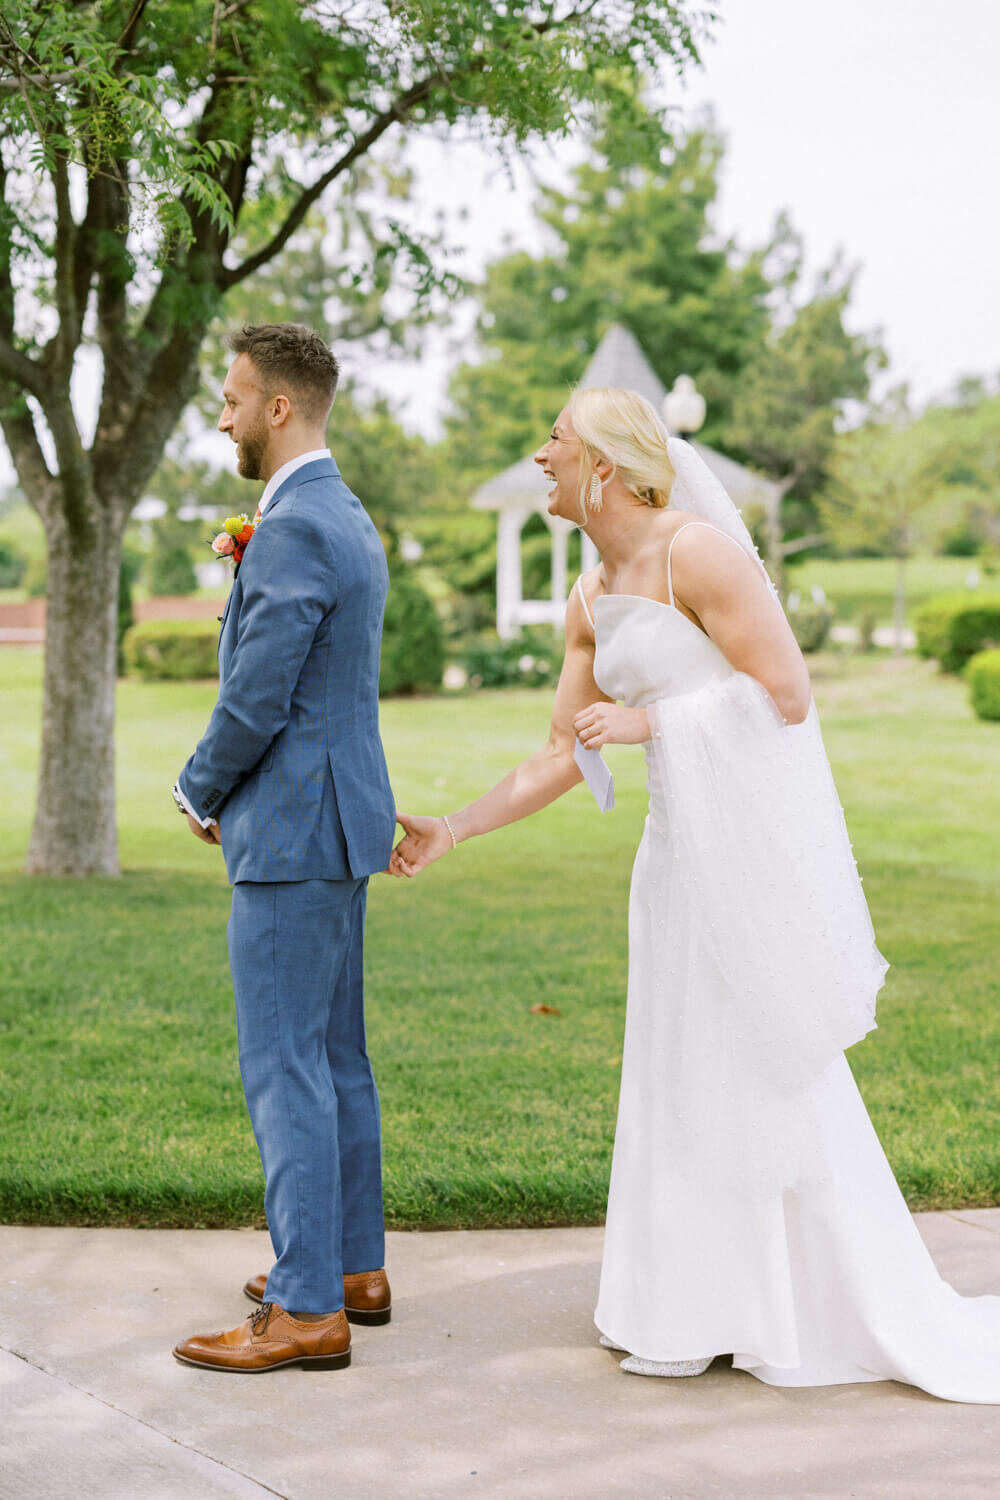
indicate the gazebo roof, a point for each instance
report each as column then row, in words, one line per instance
column 618, row 361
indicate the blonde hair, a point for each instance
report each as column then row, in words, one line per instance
column 622, row 426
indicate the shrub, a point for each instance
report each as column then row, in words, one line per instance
column 811, row 624
column 171, row 572
column 412, row 638
column 13, row 566
column 983, row 677
column 173, row 650
column 36, row 580
column 531, row 659
column 954, row 627
column 128, row 571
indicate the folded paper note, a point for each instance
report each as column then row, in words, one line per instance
column 597, row 776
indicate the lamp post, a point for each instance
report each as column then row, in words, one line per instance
column 683, row 408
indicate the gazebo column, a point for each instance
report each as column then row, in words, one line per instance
column 589, row 555
column 559, row 559
column 559, row 535
column 509, row 524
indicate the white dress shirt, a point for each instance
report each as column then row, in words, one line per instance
column 280, row 475
column 273, row 484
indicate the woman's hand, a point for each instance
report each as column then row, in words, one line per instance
column 426, row 840
column 611, row 724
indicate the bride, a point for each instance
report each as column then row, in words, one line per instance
column 752, row 1211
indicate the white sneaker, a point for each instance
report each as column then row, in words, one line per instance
column 675, row 1367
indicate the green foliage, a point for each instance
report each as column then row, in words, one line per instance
column 36, row 579
column 795, row 385
column 954, row 628
column 13, row 566
column 173, row 650
column 982, row 673
column 931, row 623
column 412, row 637
column 884, row 484
column 633, row 246
column 811, row 625
column 966, row 435
column 961, row 540
column 128, row 572
column 392, row 472
column 171, row 571
column 531, row 659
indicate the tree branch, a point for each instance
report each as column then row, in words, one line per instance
column 20, row 368
column 37, row 481
column 801, row 543
column 396, row 113
column 70, row 320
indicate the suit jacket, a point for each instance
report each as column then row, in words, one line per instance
column 291, row 763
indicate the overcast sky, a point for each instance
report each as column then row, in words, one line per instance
column 875, row 123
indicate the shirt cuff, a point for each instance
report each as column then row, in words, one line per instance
column 180, row 798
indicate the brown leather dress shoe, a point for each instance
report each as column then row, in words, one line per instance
column 367, row 1297
column 269, row 1339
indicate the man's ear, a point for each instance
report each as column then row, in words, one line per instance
column 281, row 410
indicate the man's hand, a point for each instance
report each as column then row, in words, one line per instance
column 209, row 835
column 611, row 724
column 426, row 840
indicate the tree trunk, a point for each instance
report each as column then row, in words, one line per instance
column 899, row 607
column 75, row 832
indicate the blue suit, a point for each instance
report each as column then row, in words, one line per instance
column 291, row 765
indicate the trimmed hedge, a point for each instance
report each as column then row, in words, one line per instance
column 811, row 624
column 983, row 677
column 954, row 627
column 173, row 650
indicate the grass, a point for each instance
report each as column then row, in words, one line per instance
column 120, row 1099
column 855, row 584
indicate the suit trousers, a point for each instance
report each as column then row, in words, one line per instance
column 295, row 950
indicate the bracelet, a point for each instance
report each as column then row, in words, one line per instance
column 447, row 824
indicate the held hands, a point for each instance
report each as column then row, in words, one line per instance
column 611, row 724
column 426, row 840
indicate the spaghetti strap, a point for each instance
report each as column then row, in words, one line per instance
column 684, row 525
column 583, row 600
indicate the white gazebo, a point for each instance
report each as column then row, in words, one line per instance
column 519, row 492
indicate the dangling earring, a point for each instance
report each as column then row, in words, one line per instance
column 596, row 497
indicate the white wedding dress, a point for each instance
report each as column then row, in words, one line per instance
column 752, row 1211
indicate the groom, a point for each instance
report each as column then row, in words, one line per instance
column 290, row 779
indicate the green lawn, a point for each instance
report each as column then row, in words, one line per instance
column 120, row 1099
column 854, row 584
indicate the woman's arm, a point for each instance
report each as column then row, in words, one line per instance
column 534, row 783
column 724, row 587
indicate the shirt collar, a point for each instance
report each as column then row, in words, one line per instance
column 280, row 475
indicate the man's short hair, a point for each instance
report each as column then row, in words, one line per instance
column 292, row 359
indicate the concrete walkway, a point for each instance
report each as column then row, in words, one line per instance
column 488, row 1382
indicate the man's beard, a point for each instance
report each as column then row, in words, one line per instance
column 251, row 452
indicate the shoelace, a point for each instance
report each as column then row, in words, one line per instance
column 259, row 1319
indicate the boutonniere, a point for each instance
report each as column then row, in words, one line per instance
column 232, row 540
